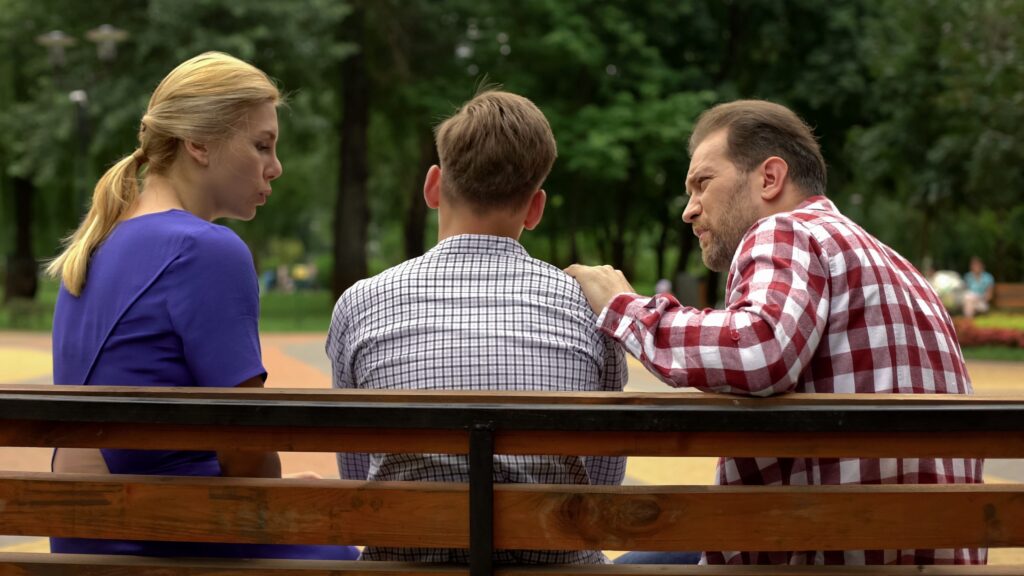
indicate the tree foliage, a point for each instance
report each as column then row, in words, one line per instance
column 918, row 106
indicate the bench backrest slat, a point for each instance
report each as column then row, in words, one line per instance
column 526, row 516
column 981, row 444
column 803, row 425
column 29, row 564
column 1008, row 295
column 20, row 564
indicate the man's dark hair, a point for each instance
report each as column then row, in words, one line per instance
column 758, row 130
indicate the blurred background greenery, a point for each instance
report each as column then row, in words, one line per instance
column 919, row 106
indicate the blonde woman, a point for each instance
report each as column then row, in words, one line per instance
column 153, row 293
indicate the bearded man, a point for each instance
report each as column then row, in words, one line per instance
column 813, row 304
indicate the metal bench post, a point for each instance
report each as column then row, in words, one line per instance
column 481, row 499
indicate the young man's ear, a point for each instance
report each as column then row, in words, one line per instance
column 774, row 171
column 535, row 211
column 198, row 152
column 432, row 187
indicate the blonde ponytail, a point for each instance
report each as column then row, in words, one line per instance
column 115, row 192
column 201, row 100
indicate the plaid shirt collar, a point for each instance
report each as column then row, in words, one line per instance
column 817, row 203
column 479, row 244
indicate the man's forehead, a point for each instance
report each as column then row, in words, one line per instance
column 709, row 150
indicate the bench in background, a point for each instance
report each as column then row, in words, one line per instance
column 1008, row 296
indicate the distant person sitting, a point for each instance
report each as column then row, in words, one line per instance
column 980, row 287
column 478, row 313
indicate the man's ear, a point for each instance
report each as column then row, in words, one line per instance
column 536, row 209
column 432, row 187
column 198, row 152
column 774, row 172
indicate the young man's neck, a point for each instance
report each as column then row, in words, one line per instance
column 458, row 221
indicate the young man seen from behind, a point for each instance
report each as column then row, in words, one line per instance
column 477, row 312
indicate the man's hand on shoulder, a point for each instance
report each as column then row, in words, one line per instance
column 600, row 284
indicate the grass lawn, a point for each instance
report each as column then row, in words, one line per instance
column 1001, row 320
column 35, row 315
column 306, row 311
column 299, row 312
column 994, row 353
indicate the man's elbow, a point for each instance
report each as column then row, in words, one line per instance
column 780, row 376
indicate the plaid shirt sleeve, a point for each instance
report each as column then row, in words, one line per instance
column 778, row 306
column 355, row 465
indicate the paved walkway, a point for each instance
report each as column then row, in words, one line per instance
column 298, row 361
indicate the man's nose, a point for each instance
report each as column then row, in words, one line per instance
column 692, row 209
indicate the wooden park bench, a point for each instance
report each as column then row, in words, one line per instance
column 482, row 516
column 1008, row 296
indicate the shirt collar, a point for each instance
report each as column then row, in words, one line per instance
column 479, row 244
column 818, row 203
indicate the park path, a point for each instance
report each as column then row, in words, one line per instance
column 298, row 361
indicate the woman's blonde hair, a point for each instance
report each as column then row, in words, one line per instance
column 201, row 100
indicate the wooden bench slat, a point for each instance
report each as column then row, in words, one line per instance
column 774, row 518
column 626, row 570
column 28, row 564
column 1008, row 295
column 243, row 510
column 506, row 397
column 696, row 444
column 526, row 516
column 772, row 445
column 22, row 564
column 20, row 433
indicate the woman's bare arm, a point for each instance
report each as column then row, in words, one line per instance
column 249, row 463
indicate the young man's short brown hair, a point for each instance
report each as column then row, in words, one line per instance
column 495, row 151
column 759, row 130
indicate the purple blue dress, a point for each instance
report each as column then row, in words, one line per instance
column 170, row 300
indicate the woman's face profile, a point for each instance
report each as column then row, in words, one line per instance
column 243, row 166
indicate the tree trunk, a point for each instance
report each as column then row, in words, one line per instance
column 623, row 195
column 415, row 225
column 574, row 246
column 686, row 239
column 553, row 256
column 661, row 247
column 22, row 279
column 711, row 291
column 351, row 212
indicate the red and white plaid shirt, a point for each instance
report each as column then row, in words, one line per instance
column 814, row 304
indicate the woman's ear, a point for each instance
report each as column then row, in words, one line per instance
column 198, row 152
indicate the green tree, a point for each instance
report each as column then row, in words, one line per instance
column 944, row 137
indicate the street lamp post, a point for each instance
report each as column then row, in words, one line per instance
column 106, row 38
column 80, row 98
column 56, row 41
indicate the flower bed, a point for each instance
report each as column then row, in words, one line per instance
column 970, row 334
